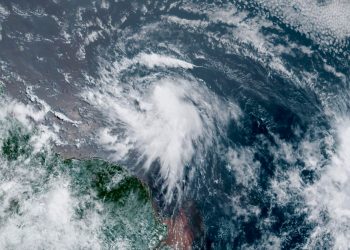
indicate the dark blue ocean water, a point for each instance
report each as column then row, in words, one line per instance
column 259, row 167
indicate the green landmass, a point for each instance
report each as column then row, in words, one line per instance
column 121, row 200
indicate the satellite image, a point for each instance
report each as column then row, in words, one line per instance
column 174, row 124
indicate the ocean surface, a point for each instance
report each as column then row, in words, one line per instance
column 117, row 117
